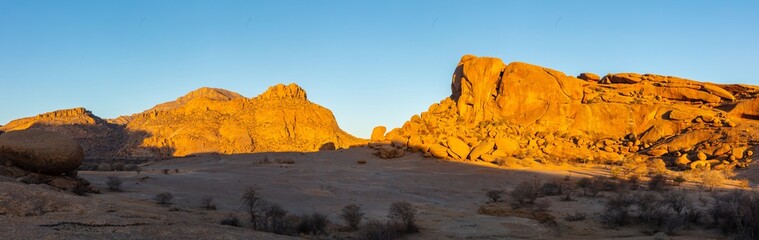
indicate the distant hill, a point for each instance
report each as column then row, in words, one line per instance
column 207, row 120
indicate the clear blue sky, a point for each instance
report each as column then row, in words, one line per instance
column 370, row 62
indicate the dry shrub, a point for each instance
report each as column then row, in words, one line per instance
column 403, row 214
column 577, row 216
column 315, row 224
column 658, row 183
column 231, row 220
column 376, row 230
column 709, row 179
column 525, row 193
column 737, row 213
column 206, row 202
column 274, row 219
column 163, row 198
column 494, row 195
column 352, row 215
column 114, row 183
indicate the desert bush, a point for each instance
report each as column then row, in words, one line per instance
column 633, row 182
column 314, row 224
column 525, row 192
column 163, row 198
column 709, row 179
column 231, row 220
column 552, row 189
column 585, row 184
column 672, row 223
column 494, row 195
column 614, row 218
column 577, row 216
column 352, row 215
column 376, row 230
column 251, row 202
column 657, row 166
column 737, row 213
column 206, row 202
column 274, row 219
column 404, row 215
column 114, row 183
column 744, row 183
column 658, row 183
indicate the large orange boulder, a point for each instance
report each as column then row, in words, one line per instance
column 474, row 85
column 41, row 151
column 458, row 147
column 378, row 133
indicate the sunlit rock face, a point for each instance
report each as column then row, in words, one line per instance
column 207, row 120
column 540, row 113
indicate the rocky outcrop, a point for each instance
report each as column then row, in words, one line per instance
column 207, row 120
column 99, row 138
column 280, row 119
column 498, row 111
column 41, row 151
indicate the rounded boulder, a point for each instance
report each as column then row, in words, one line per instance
column 41, row 151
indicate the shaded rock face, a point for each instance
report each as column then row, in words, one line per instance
column 41, row 151
column 99, row 138
column 535, row 112
column 207, row 120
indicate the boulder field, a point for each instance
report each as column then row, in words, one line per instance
column 518, row 110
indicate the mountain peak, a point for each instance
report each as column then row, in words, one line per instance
column 281, row 91
column 210, row 93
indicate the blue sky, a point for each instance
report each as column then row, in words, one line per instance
column 370, row 62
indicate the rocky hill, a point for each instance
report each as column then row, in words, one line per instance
column 522, row 112
column 206, row 120
column 100, row 138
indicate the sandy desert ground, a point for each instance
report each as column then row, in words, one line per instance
column 447, row 194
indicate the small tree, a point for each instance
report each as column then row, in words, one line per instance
column 677, row 200
column 114, row 183
column 352, row 215
column 250, row 203
column 494, row 195
column 404, row 214
column 274, row 217
column 206, row 202
column 163, row 198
